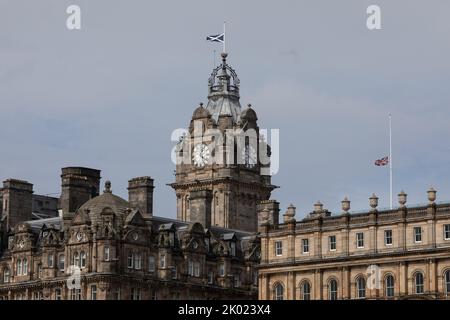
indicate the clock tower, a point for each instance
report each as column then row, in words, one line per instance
column 223, row 162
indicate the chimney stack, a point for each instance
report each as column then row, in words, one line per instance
column 79, row 185
column 273, row 207
column 17, row 201
column 140, row 194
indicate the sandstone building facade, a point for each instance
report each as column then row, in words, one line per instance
column 89, row 244
column 395, row 254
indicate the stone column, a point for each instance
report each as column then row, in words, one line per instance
column 432, row 283
column 346, row 285
column 318, row 281
column 403, row 278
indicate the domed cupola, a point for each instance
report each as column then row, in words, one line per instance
column 200, row 113
column 248, row 114
column 223, row 97
column 105, row 202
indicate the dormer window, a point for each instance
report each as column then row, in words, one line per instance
column 233, row 248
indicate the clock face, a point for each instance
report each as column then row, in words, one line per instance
column 135, row 236
column 80, row 236
column 201, row 155
column 250, row 158
column 22, row 244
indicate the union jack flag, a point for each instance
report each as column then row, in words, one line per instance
column 382, row 162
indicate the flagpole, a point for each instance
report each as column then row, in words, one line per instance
column 390, row 159
column 224, row 36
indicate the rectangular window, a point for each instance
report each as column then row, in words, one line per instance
column 388, row 237
column 137, row 261
column 305, row 245
column 135, row 294
column 278, row 248
column 106, row 253
column 197, row 269
column 360, row 240
column 210, row 277
column 162, row 261
column 237, row 281
column 417, row 234
column 93, row 292
column 151, row 264
column 57, row 294
column 332, row 243
column 447, row 231
column 75, row 294
column 118, row 294
column 50, row 261
column 190, row 268
column 222, row 269
column 61, row 262
column 174, row 272
column 130, row 260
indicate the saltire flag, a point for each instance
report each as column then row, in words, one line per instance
column 382, row 162
column 216, row 38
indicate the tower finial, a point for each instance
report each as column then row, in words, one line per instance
column 107, row 187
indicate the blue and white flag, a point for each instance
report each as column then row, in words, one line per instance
column 216, row 38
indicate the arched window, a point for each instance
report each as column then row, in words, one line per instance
column 447, row 282
column 389, row 286
column 418, row 282
column 305, row 290
column 6, row 275
column 332, row 290
column 82, row 259
column 361, row 287
column 24, row 266
column 76, row 259
column 19, row 267
column 279, row 292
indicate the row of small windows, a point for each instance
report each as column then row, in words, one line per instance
column 75, row 294
column 332, row 287
column 388, row 240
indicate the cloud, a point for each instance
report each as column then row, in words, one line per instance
column 110, row 95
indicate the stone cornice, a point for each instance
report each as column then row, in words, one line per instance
column 366, row 219
column 325, row 262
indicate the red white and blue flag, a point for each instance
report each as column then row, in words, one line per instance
column 382, row 162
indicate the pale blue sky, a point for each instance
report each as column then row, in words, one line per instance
column 110, row 95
